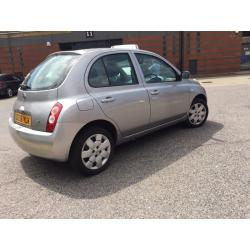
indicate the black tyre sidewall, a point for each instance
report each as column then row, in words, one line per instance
column 197, row 100
column 75, row 159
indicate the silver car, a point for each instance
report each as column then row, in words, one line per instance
column 76, row 106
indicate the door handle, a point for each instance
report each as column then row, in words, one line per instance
column 154, row 92
column 108, row 99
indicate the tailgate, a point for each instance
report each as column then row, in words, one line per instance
column 32, row 108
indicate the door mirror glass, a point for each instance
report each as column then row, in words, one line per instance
column 185, row 75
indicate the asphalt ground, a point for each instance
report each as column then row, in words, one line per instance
column 173, row 173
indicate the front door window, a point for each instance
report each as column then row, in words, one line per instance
column 155, row 70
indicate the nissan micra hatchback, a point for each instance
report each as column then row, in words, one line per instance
column 76, row 106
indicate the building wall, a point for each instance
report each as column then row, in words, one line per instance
column 165, row 44
column 219, row 52
column 32, row 55
column 215, row 52
column 245, row 51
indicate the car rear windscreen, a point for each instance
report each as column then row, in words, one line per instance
column 50, row 73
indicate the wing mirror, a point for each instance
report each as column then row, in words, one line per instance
column 185, row 75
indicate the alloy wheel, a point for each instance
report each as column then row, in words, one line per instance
column 96, row 151
column 9, row 92
column 197, row 113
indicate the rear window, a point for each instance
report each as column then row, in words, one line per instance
column 50, row 73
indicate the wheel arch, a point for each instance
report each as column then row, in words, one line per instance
column 200, row 96
column 96, row 123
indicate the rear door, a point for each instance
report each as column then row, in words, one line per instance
column 113, row 82
column 38, row 93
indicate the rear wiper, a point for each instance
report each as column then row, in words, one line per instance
column 24, row 87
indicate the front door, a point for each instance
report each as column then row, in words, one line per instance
column 167, row 98
column 113, row 82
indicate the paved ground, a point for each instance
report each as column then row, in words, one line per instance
column 174, row 173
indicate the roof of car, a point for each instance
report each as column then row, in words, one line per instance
column 85, row 51
column 96, row 51
column 8, row 74
column 4, row 74
column 126, row 47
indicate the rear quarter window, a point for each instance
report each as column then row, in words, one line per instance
column 51, row 73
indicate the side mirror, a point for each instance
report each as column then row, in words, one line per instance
column 185, row 75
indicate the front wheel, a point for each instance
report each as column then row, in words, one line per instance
column 92, row 151
column 197, row 114
column 9, row 92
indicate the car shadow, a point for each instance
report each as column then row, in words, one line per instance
column 133, row 162
column 2, row 98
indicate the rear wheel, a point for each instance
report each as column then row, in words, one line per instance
column 197, row 114
column 9, row 92
column 92, row 151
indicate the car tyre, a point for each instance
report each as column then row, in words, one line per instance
column 92, row 151
column 197, row 113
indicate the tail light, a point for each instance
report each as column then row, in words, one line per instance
column 53, row 117
column 2, row 84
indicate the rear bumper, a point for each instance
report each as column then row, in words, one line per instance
column 54, row 146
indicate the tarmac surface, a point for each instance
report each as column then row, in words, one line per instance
column 173, row 173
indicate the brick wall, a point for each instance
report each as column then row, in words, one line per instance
column 32, row 55
column 152, row 43
column 215, row 52
column 218, row 52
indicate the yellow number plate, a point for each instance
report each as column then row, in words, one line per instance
column 23, row 119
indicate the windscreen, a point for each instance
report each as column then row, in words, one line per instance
column 50, row 73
